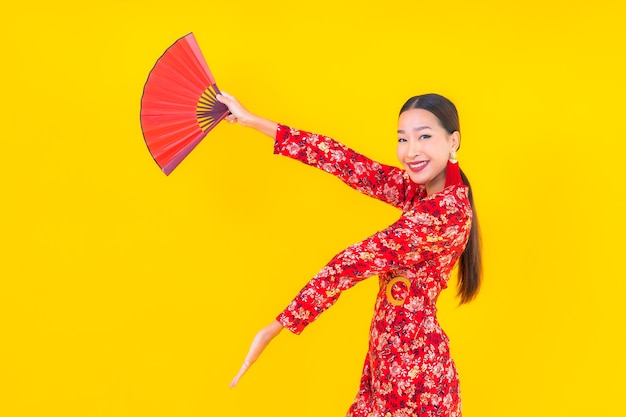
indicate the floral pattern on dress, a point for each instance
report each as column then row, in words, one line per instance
column 408, row 370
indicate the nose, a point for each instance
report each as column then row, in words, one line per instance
column 415, row 148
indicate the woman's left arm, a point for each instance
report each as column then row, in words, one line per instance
column 436, row 233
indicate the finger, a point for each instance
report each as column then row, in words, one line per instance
column 226, row 99
column 244, row 368
column 228, row 96
column 235, row 380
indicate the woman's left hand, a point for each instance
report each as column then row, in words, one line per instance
column 261, row 340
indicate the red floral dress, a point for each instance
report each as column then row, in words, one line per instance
column 408, row 370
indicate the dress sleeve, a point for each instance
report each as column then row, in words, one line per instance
column 383, row 182
column 435, row 232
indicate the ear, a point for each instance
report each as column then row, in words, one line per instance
column 455, row 141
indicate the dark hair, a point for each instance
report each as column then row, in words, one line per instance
column 470, row 262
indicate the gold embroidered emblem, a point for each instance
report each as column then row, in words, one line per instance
column 390, row 297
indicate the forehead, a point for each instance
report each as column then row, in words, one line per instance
column 417, row 117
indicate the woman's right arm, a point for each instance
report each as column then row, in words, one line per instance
column 383, row 182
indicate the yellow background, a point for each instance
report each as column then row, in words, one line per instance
column 128, row 293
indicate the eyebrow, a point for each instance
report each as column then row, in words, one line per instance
column 416, row 129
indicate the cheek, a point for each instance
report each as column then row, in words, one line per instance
column 439, row 152
column 400, row 151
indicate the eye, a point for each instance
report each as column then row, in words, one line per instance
column 401, row 140
column 424, row 137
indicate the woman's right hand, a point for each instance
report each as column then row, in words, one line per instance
column 239, row 114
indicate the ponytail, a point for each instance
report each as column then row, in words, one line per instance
column 470, row 262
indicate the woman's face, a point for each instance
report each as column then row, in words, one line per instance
column 424, row 148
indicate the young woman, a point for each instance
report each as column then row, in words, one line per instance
column 408, row 370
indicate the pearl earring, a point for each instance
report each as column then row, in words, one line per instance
column 453, row 157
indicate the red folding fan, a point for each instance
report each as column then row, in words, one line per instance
column 178, row 105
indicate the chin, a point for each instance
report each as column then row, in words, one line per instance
column 417, row 180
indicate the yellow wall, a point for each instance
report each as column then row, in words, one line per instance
column 127, row 293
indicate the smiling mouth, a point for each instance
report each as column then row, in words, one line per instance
column 417, row 166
